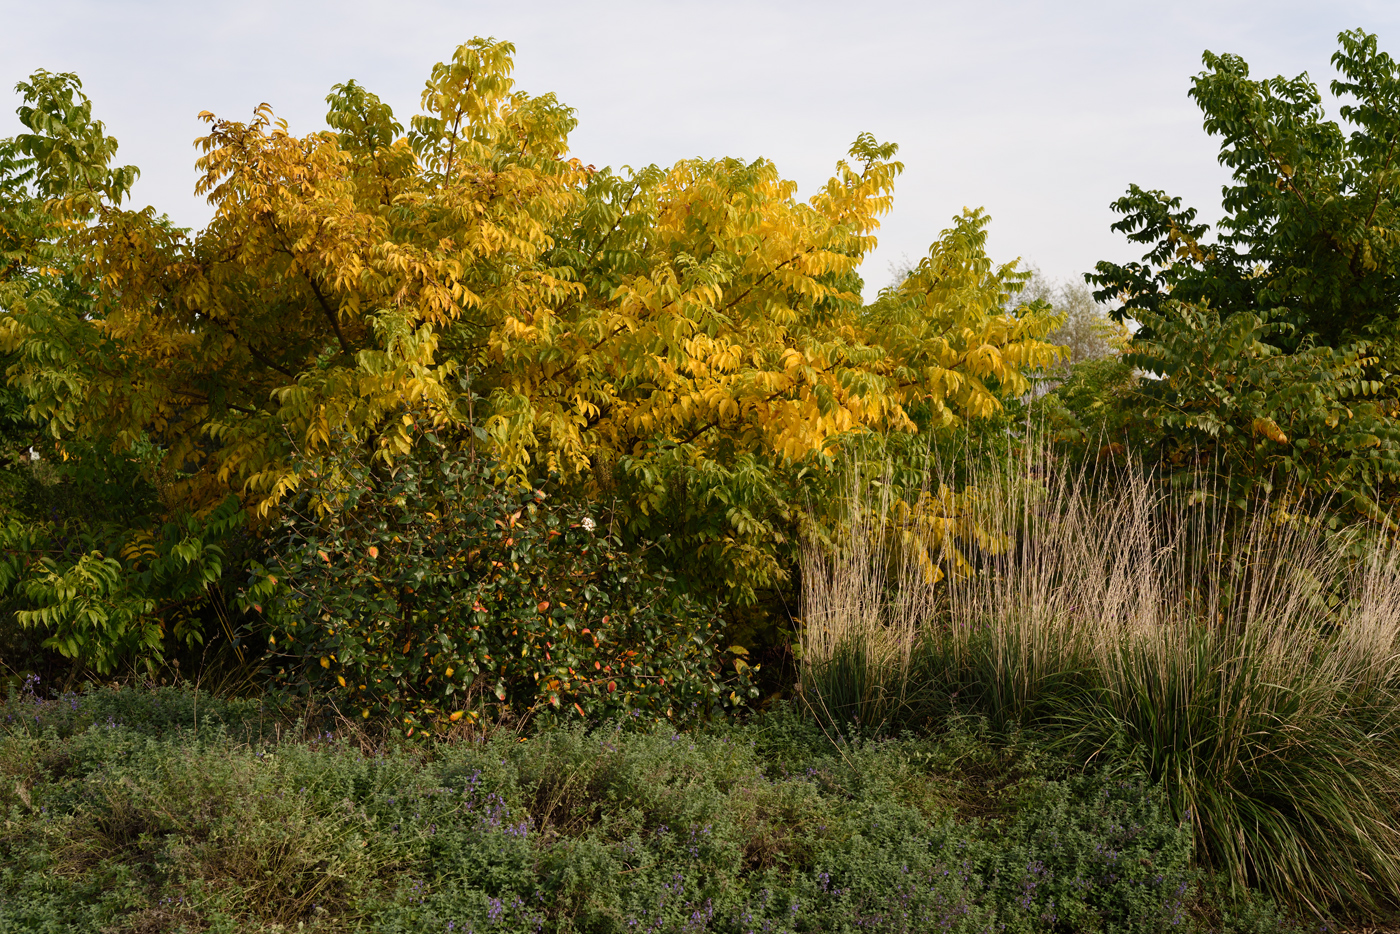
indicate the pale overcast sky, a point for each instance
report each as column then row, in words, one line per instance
column 1040, row 112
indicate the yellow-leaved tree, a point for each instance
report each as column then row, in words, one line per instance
column 688, row 344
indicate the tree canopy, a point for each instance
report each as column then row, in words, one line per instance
column 1308, row 236
column 1277, row 334
column 349, row 272
column 685, row 340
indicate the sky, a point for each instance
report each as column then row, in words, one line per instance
column 1041, row 112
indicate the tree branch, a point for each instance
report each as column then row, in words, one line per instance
column 330, row 315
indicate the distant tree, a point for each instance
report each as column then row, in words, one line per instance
column 1089, row 331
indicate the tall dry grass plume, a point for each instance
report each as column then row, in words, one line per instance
column 1249, row 660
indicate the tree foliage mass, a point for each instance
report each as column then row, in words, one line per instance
column 1276, row 335
column 687, row 343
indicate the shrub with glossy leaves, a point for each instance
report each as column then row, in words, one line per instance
column 427, row 591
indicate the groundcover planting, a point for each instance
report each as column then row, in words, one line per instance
column 121, row 815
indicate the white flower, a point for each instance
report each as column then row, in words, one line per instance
column 588, row 524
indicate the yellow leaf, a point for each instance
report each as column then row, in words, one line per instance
column 1269, row 429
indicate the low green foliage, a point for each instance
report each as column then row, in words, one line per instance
column 768, row 826
column 150, row 710
column 431, row 589
column 94, row 568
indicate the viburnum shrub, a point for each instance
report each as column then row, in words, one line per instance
column 426, row 590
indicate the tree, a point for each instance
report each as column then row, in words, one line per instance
column 1088, row 332
column 1278, row 338
column 92, row 558
column 670, row 337
column 1308, row 233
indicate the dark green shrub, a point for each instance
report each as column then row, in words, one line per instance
column 424, row 590
column 1234, row 412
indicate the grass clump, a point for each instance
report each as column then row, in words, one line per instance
column 1248, row 666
